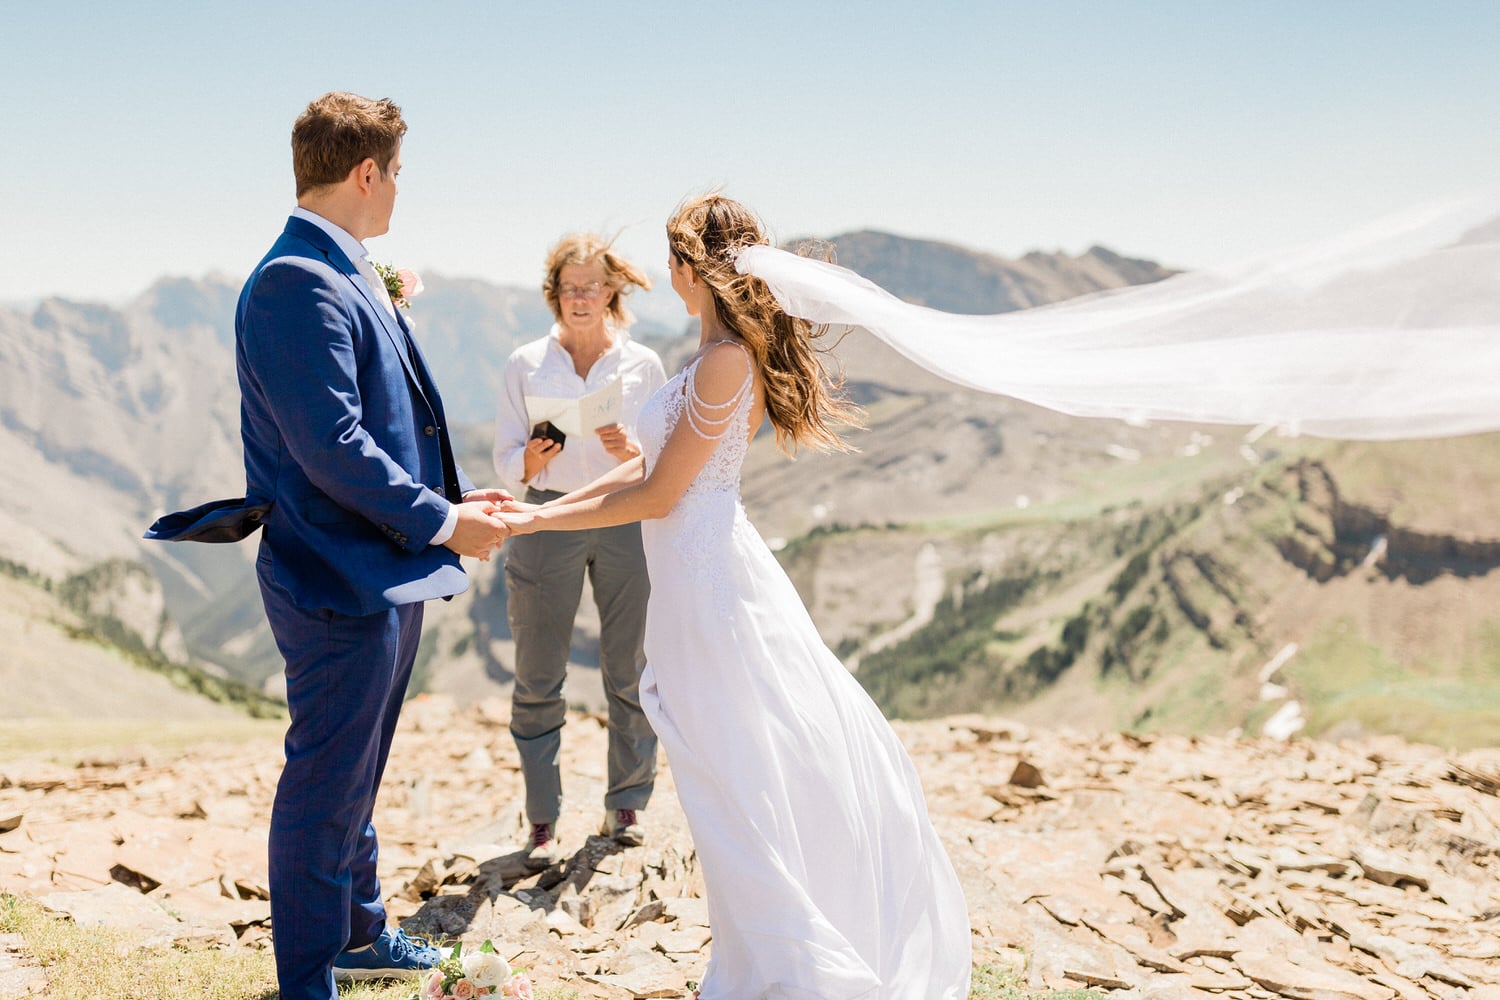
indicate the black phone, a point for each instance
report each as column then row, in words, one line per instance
column 551, row 433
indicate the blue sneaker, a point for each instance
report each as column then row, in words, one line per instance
column 393, row 955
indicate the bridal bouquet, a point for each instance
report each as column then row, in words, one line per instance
column 482, row 973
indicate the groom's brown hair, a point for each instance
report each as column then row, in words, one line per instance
column 338, row 132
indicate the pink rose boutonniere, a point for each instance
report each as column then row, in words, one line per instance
column 403, row 285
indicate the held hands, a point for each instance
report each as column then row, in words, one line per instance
column 620, row 447
column 518, row 518
column 478, row 530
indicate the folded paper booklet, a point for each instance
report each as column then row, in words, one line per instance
column 583, row 415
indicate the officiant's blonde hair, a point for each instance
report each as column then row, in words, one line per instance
column 803, row 400
column 339, row 131
column 620, row 275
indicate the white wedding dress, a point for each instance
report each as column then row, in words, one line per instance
column 825, row 878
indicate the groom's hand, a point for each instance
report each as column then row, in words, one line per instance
column 478, row 531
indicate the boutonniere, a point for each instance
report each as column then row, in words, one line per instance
column 403, row 285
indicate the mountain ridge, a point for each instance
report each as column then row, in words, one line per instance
column 109, row 417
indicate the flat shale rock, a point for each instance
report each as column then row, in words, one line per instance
column 1158, row 867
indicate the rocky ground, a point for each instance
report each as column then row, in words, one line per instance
column 1140, row 866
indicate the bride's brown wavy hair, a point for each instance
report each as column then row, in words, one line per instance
column 803, row 400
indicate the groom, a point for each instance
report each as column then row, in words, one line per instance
column 349, row 467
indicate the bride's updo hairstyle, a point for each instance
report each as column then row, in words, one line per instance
column 803, row 401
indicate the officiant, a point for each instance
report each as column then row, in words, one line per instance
column 567, row 414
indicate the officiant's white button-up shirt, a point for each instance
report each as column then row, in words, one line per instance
column 545, row 368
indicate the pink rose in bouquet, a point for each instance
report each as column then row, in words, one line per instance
column 518, row 986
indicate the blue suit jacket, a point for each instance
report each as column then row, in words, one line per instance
column 348, row 463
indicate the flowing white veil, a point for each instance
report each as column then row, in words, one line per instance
column 1389, row 332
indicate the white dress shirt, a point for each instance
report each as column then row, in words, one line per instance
column 545, row 368
column 360, row 258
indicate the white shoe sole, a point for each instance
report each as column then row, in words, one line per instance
column 365, row 975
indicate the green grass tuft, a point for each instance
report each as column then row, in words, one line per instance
column 991, row 982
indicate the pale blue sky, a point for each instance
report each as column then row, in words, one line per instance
column 147, row 139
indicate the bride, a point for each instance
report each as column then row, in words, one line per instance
column 825, row 878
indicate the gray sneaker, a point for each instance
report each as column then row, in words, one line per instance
column 623, row 827
column 543, row 851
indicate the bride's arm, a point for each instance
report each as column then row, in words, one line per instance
column 717, row 381
column 625, row 474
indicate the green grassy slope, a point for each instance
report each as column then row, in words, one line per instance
column 1375, row 569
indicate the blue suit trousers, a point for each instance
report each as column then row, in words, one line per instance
column 346, row 678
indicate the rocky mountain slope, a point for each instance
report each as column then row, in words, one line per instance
column 61, row 663
column 956, row 279
column 1341, row 588
column 109, row 417
column 1139, row 866
column 974, row 551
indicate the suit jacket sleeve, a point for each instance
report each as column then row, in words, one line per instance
column 299, row 337
column 465, row 484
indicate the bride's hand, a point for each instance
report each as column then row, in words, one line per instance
column 519, row 522
column 517, row 507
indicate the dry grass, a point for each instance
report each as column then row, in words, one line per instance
column 99, row 964
column 71, row 740
column 994, row 983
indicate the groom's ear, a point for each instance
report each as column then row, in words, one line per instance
column 364, row 174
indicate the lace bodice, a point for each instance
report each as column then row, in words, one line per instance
column 720, row 475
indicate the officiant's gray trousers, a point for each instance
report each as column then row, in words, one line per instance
column 544, row 580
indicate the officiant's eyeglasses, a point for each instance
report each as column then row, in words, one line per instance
column 589, row 291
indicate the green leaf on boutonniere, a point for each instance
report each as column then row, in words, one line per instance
column 393, row 285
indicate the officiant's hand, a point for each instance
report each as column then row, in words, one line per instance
column 478, row 530
column 612, row 436
column 493, row 496
column 539, row 451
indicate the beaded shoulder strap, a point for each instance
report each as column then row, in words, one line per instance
column 712, row 421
